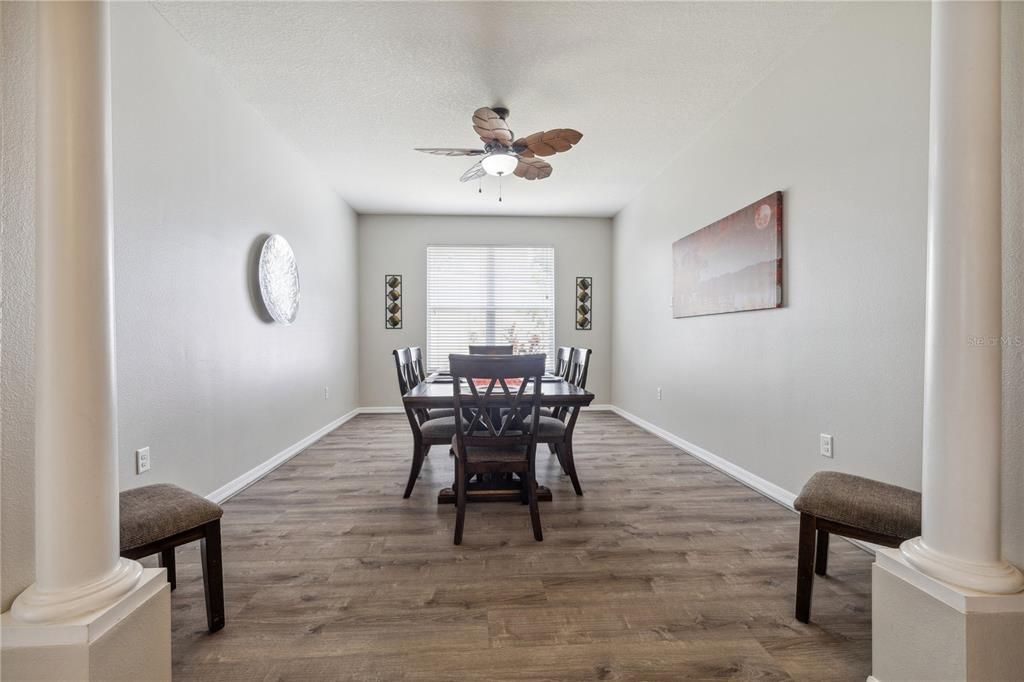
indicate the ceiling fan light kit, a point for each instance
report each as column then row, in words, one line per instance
column 499, row 163
column 503, row 154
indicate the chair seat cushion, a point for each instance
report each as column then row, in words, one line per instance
column 863, row 503
column 440, row 413
column 549, row 427
column 544, row 411
column 479, row 454
column 156, row 512
column 440, row 429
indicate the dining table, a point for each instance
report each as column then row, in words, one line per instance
column 437, row 391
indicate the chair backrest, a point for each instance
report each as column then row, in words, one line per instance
column 562, row 358
column 494, row 382
column 416, row 355
column 408, row 378
column 579, row 366
column 491, row 350
column 403, row 366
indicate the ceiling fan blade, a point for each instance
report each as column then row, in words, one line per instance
column 475, row 171
column 532, row 169
column 449, row 151
column 491, row 127
column 547, row 142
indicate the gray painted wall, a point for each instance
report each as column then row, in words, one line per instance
column 17, row 296
column 198, row 176
column 396, row 244
column 1013, row 281
column 841, row 126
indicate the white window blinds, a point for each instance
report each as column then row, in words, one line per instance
column 489, row 295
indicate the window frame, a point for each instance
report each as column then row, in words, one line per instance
column 549, row 360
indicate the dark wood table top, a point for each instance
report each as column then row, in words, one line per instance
column 432, row 394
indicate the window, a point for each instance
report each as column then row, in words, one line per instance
column 489, row 295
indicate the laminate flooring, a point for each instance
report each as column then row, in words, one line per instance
column 665, row 569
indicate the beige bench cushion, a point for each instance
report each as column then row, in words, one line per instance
column 155, row 512
column 862, row 503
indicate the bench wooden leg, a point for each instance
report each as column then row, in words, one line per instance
column 213, row 576
column 166, row 560
column 821, row 554
column 805, row 569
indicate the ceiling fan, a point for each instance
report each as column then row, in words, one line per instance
column 503, row 153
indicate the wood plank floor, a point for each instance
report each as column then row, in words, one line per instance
column 665, row 570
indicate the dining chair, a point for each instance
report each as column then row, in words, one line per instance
column 489, row 441
column 426, row 431
column 562, row 357
column 416, row 356
column 557, row 429
column 419, row 374
column 491, row 350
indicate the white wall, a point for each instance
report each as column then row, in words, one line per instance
column 396, row 244
column 198, row 176
column 841, row 127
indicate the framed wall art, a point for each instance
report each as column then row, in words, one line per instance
column 733, row 264
column 278, row 279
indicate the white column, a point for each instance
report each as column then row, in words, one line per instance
column 78, row 569
column 960, row 542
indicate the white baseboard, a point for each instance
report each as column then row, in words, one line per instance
column 239, row 484
column 256, row 473
column 738, row 473
column 400, row 410
column 747, row 478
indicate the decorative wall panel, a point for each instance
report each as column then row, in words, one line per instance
column 584, row 303
column 392, row 301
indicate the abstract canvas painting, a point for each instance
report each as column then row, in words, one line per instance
column 731, row 265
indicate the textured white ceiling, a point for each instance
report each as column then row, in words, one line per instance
column 357, row 85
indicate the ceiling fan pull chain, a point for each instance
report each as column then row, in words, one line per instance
column 499, row 189
column 480, row 188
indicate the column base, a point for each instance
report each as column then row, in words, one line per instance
column 993, row 578
column 36, row 606
column 927, row 629
column 128, row 640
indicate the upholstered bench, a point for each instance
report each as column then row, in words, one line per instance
column 158, row 518
column 853, row 507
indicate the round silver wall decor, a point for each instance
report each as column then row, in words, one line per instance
column 279, row 279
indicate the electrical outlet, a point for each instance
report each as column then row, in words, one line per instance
column 142, row 460
column 659, row 393
column 826, row 445
column 327, row 393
